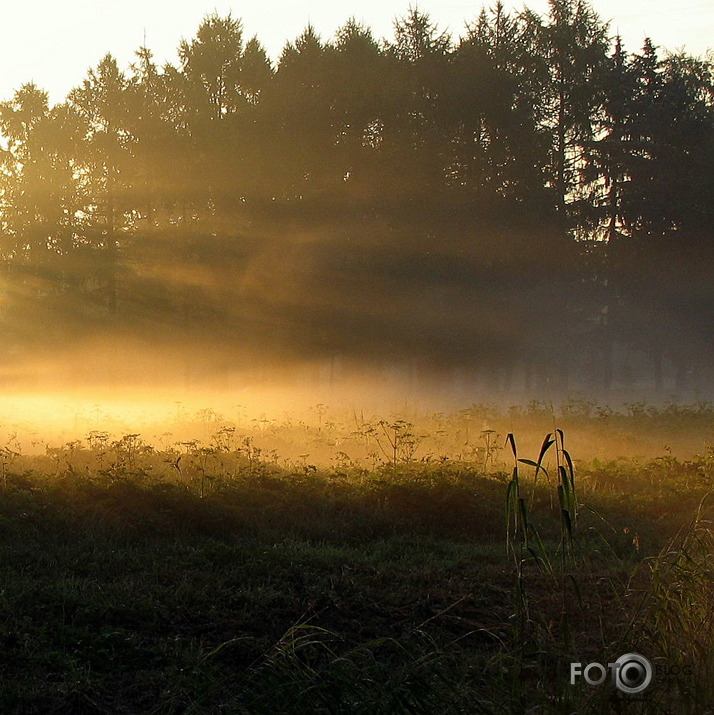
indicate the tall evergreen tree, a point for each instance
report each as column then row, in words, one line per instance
column 574, row 43
column 101, row 101
column 417, row 131
column 499, row 80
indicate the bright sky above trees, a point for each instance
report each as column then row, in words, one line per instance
column 54, row 44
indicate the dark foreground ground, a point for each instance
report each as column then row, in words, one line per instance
column 262, row 589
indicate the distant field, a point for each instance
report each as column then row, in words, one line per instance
column 370, row 566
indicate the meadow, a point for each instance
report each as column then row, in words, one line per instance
column 401, row 563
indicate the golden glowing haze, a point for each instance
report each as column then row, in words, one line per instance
column 277, row 267
column 53, row 44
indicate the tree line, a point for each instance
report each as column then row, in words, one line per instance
column 530, row 194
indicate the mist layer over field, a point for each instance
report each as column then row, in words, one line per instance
column 327, row 411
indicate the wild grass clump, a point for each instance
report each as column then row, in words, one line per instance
column 312, row 670
column 672, row 625
column 675, row 624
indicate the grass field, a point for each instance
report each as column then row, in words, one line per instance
column 386, row 566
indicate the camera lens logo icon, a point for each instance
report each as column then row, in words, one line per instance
column 633, row 673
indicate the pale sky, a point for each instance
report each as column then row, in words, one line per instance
column 54, row 43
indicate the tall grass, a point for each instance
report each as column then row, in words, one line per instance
column 674, row 625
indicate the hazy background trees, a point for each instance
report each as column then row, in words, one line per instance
column 531, row 198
